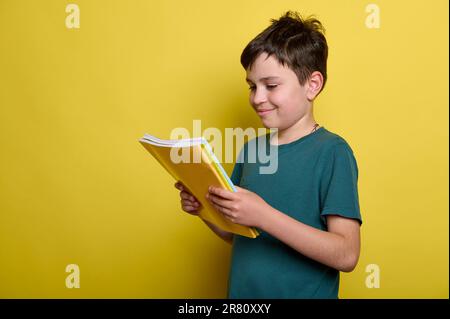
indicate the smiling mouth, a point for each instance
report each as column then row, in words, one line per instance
column 264, row 111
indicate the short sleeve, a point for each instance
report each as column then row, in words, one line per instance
column 339, row 184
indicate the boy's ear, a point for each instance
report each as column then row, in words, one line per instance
column 315, row 84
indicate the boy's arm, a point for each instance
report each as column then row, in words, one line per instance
column 338, row 247
column 227, row 236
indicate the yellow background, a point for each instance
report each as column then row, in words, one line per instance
column 76, row 187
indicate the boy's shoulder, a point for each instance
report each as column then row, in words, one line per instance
column 332, row 144
column 329, row 139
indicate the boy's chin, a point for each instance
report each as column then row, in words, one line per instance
column 269, row 124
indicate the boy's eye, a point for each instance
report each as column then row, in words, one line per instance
column 269, row 87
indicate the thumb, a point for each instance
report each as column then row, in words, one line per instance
column 240, row 189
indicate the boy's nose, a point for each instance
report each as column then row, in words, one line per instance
column 258, row 97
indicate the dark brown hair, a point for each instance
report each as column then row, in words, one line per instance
column 296, row 42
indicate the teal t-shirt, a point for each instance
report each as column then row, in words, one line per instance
column 316, row 176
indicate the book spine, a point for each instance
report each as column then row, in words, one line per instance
column 219, row 167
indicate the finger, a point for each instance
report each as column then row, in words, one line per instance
column 227, row 213
column 224, row 193
column 179, row 185
column 223, row 210
column 189, row 201
column 219, row 201
column 186, row 202
column 186, row 195
column 190, row 210
column 240, row 189
column 230, row 218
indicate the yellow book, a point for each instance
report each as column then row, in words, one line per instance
column 192, row 162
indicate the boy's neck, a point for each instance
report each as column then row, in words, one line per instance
column 301, row 128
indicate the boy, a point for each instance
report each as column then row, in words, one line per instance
column 308, row 210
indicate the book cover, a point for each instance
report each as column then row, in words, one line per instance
column 193, row 162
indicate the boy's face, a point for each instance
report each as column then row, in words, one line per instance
column 276, row 94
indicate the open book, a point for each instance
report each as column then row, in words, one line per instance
column 192, row 162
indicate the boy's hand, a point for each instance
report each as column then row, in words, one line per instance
column 242, row 207
column 189, row 203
